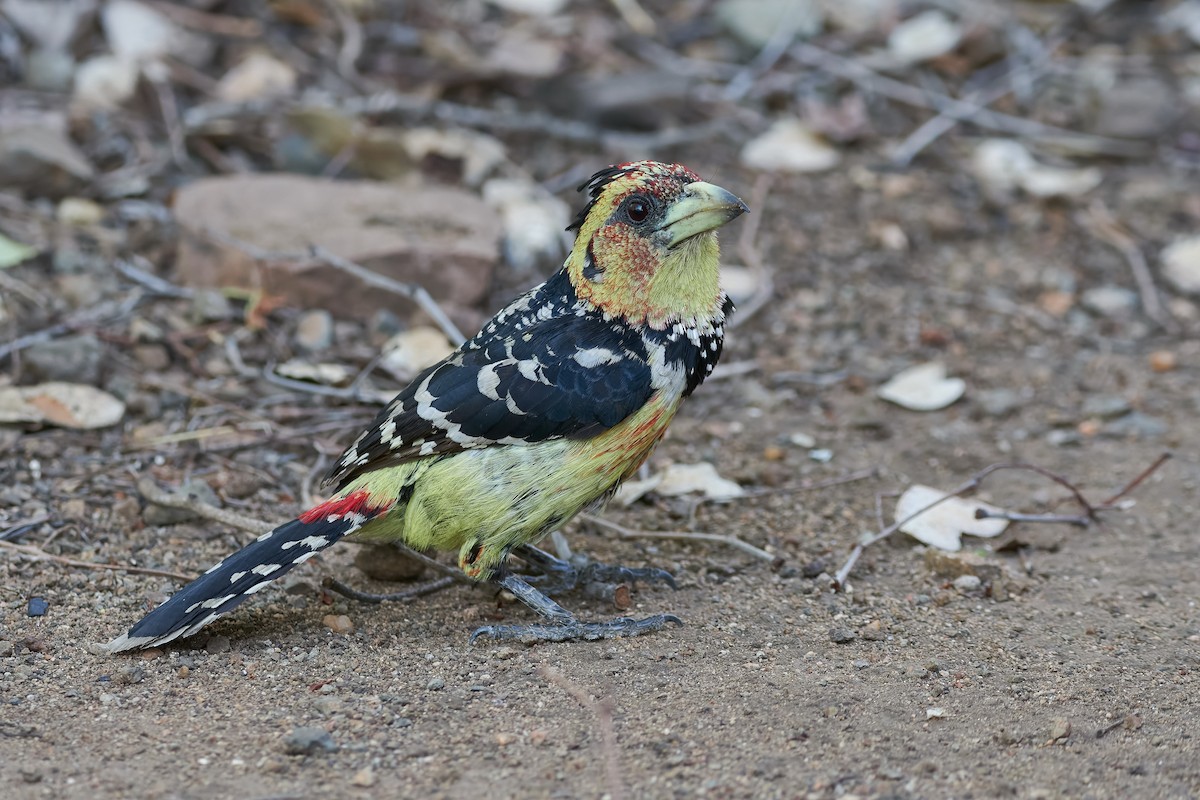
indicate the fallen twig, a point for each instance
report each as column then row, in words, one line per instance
column 1098, row 221
column 1090, row 514
column 38, row 554
column 604, row 721
column 417, row 294
column 632, row 533
column 752, row 257
column 869, row 80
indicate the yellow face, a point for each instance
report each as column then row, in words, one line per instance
column 646, row 248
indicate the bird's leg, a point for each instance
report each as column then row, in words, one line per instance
column 558, row 576
column 561, row 625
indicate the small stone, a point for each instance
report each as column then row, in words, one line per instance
column 1105, row 406
column 164, row 515
column 307, row 741
column 789, row 146
column 968, row 583
column 435, row 684
column 1163, row 361
column 314, row 331
column 385, row 563
column 364, row 778
column 338, row 623
column 79, row 212
column 926, row 36
column 873, row 631
column 773, row 453
column 1181, row 264
column 73, row 359
column 130, row 675
column 1110, row 301
column 1136, row 425
column 210, row 305
column 1060, row 729
column 841, row 635
column 999, row 402
column 217, row 644
column 42, row 160
column 505, row 739
column 256, row 77
column 7, row 648
column 802, row 439
column 37, row 607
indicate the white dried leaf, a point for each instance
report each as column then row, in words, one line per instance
column 409, row 352
column 324, row 373
column 680, row 479
column 943, row 525
column 1003, row 166
column 1181, row 264
column 924, row 387
column 66, row 405
column 923, row 37
column 789, row 146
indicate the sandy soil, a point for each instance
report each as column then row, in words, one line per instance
column 1073, row 674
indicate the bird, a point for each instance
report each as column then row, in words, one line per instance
column 559, row 398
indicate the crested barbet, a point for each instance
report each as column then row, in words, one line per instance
column 559, row 398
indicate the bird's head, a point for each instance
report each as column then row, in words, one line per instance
column 646, row 245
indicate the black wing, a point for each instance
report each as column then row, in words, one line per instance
column 567, row 376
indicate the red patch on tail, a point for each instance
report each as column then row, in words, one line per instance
column 355, row 503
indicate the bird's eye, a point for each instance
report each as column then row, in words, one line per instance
column 638, row 208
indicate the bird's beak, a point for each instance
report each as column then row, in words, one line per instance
column 702, row 207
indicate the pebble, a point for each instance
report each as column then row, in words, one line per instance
column 789, row 146
column 873, row 631
column 163, row 515
column 7, row 648
column 1060, row 729
column 841, row 635
column 1136, row 425
column 130, row 674
column 802, row 439
column 435, row 684
column 1105, row 406
column 968, row 583
column 37, row 607
column 365, row 777
column 74, row 359
column 306, row 741
column 1110, row 301
column 923, row 37
column 1181, row 264
column 210, row 305
column 505, row 739
column 998, row 402
column 217, row 644
column 338, row 623
column 1163, row 361
column 314, row 331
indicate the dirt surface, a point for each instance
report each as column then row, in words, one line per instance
column 1069, row 671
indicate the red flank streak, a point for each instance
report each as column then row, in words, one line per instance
column 338, row 506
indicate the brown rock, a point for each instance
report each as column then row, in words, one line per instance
column 385, row 563
column 443, row 239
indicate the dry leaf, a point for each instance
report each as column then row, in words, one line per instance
column 942, row 525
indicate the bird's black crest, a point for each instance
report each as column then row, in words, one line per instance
column 594, row 186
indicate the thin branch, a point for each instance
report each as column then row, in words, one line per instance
column 1090, row 511
column 38, row 554
column 603, row 711
column 752, row 257
column 412, row 291
column 148, row 489
column 1100, row 223
column 408, row 595
column 869, row 80
column 632, row 533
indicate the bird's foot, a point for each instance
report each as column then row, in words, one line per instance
column 559, row 624
column 557, row 576
column 573, row 629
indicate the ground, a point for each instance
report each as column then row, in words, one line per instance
column 1070, row 672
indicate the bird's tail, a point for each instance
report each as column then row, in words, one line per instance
column 230, row 581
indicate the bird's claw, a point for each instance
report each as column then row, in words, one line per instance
column 574, row 630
